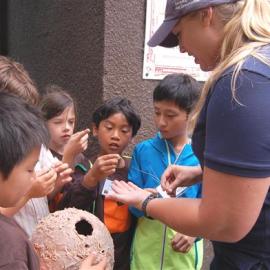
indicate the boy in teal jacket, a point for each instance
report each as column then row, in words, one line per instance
column 156, row 246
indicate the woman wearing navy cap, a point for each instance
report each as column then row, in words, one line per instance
column 231, row 135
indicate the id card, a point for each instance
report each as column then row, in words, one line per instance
column 107, row 187
column 180, row 191
column 163, row 194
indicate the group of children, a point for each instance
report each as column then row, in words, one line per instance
column 64, row 177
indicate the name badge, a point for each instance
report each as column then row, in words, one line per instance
column 107, row 187
column 164, row 194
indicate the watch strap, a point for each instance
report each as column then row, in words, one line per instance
column 146, row 201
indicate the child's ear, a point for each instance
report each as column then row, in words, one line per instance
column 132, row 140
column 94, row 130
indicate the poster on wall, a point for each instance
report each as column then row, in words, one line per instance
column 159, row 61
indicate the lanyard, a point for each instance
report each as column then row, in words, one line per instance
column 165, row 226
column 169, row 154
column 179, row 190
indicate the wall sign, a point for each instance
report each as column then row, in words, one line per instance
column 159, row 61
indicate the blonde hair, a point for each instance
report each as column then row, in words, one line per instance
column 16, row 80
column 246, row 30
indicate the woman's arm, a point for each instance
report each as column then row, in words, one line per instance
column 229, row 207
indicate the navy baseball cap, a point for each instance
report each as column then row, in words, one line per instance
column 175, row 10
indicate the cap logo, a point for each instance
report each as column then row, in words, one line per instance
column 179, row 4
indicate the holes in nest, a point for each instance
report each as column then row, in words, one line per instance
column 84, row 228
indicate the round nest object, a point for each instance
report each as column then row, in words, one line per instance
column 65, row 238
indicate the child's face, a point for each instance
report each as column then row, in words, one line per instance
column 20, row 180
column 61, row 127
column 170, row 120
column 114, row 134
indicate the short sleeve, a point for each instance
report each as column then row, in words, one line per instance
column 238, row 131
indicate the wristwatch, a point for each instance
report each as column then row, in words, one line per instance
column 146, row 201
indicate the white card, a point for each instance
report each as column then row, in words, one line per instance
column 179, row 192
column 107, row 187
column 162, row 193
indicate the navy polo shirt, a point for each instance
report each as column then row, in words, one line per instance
column 234, row 137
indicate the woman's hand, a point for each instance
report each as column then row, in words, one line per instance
column 90, row 263
column 182, row 243
column 128, row 193
column 178, row 176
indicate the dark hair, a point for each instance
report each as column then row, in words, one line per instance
column 182, row 89
column 22, row 128
column 118, row 105
column 15, row 79
column 55, row 101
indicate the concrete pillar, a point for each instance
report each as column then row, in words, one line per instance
column 93, row 48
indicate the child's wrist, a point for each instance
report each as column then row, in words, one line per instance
column 28, row 195
column 68, row 155
column 90, row 181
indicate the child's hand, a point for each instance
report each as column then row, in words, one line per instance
column 63, row 174
column 103, row 167
column 77, row 143
column 43, row 184
column 182, row 243
column 90, row 264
